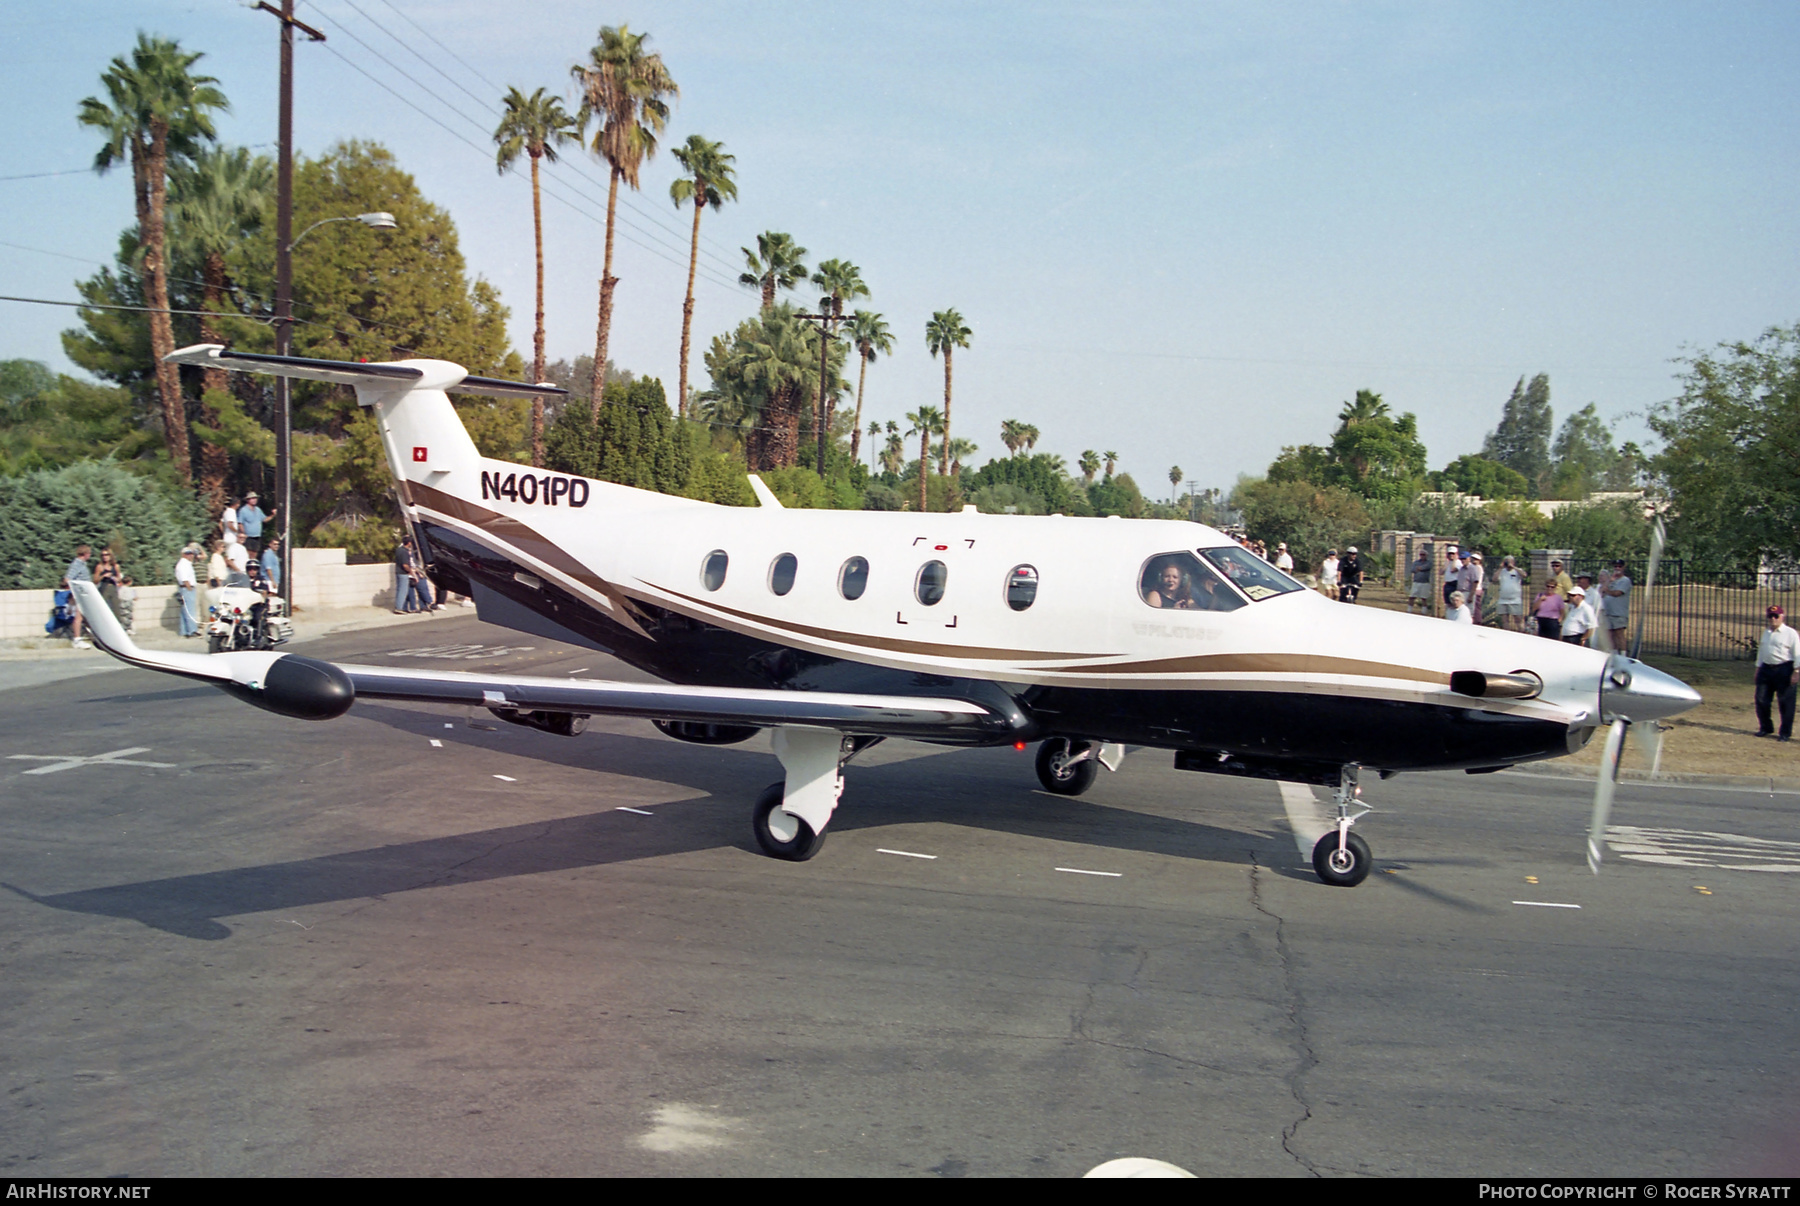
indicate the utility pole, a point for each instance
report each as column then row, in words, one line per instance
column 284, row 288
column 820, row 422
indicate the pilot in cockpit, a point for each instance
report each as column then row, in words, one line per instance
column 1170, row 588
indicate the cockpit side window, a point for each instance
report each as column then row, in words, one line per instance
column 1182, row 582
column 1250, row 573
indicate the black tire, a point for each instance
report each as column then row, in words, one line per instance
column 215, row 644
column 1346, row 871
column 796, row 846
column 1059, row 779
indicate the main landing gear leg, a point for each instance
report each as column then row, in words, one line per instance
column 790, row 817
column 1342, row 858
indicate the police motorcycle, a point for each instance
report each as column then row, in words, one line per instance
column 241, row 616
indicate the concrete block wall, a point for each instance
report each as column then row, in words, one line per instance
column 322, row 581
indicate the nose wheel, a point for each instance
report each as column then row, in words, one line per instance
column 1341, row 858
column 1066, row 768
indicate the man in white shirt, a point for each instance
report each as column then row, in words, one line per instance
column 187, row 586
column 1777, row 673
column 1580, row 619
column 1283, row 561
column 1509, row 582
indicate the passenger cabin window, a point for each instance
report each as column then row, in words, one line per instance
column 1021, row 587
column 1250, row 573
column 1182, row 582
column 712, row 571
column 929, row 589
column 781, row 574
column 853, row 579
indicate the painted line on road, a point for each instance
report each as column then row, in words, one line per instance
column 902, row 853
column 506, row 778
column 1545, row 904
column 1079, row 871
column 436, row 744
column 639, row 811
column 1306, row 817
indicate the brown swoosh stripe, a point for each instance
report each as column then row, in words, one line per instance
column 890, row 644
column 1266, row 663
column 527, row 540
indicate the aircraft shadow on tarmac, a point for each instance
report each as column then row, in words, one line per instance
column 966, row 792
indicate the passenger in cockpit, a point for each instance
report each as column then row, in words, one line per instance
column 1170, row 588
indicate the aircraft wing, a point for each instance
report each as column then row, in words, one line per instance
column 293, row 685
column 347, row 372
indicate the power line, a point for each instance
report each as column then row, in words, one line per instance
column 628, row 200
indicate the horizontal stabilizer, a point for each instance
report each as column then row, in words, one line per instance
column 348, row 372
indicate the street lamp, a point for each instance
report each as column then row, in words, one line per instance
column 284, row 337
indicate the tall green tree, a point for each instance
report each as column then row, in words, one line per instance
column 1375, row 454
column 1089, row 462
column 926, row 422
column 218, row 200
column 1174, row 482
column 841, row 281
column 1731, row 452
column 763, row 373
column 634, row 440
column 626, row 90
column 535, row 126
column 1471, row 474
column 777, row 263
column 156, row 108
column 1584, row 452
column 945, row 333
column 870, row 337
column 710, row 180
column 1522, row 440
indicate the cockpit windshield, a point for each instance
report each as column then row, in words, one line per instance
column 1250, row 573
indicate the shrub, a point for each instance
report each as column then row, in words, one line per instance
column 46, row 513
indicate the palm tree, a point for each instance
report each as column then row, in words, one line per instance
column 158, row 110
column 869, row 335
column 1174, row 482
column 777, row 263
column 216, row 200
column 765, row 370
column 926, row 422
column 960, row 450
column 708, row 182
column 1112, row 460
column 535, row 125
column 1090, row 465
column 627, row 90
column 893, row 456
column 1012, row 433
column 944, row 333
column 1028, row 437
column 842, row 281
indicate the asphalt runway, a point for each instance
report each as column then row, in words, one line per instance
column 406, row 943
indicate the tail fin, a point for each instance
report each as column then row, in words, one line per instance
column 424, row 438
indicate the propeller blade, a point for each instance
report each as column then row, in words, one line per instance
column 1658, row 536
column 1603, row 793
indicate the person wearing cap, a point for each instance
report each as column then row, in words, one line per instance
column 1777, row 673
column 1350, row 576
column 1284, row 561
column 1615, row 606
column 1328, row 575
column 1472, row 579
column 1579, row 619
column 251, row 518
column 187, row 587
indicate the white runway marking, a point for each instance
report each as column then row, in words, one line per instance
column 506, row 778
column 1079, row 871
column 63, row 762
column 449, row 726
column 436, row 744
column 902, row 853
column 639, row 811
column 1306, row 817
column 1694, row 848
column 1545, row 904
column 462, row 653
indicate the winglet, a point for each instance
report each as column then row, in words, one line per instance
column 765, row 497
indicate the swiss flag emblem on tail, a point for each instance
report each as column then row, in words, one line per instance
column 418, row 454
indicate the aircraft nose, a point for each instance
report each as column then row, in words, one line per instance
column 1633, row 691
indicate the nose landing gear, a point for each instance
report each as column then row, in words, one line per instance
column 1341, row 858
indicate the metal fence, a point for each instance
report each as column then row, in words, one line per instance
column 1717, row 615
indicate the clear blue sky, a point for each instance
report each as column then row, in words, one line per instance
column 1187, row 233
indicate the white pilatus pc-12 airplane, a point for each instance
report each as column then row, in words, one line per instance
column 836, row 629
